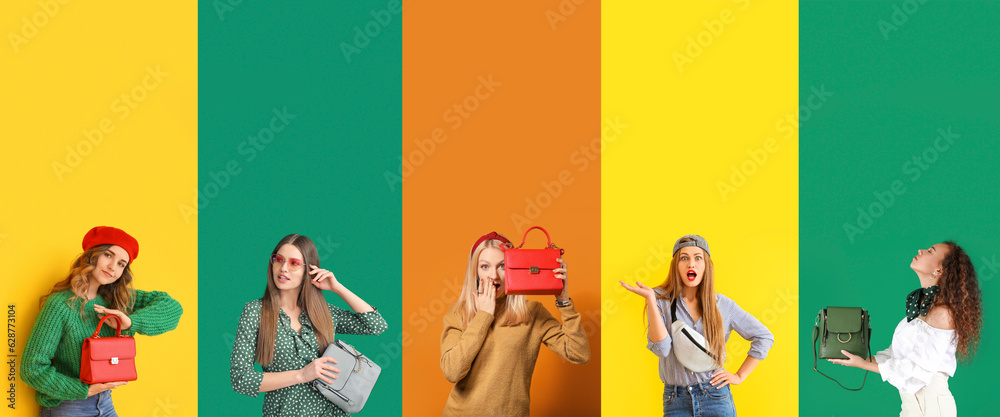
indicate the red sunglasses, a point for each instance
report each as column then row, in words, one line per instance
column 294, row 264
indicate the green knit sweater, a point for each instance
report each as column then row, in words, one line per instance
column 52, row 356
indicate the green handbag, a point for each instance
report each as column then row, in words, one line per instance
column 837, row 328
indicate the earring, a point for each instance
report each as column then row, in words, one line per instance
column 934, row 275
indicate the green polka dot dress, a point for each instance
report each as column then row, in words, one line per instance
column 293, row 351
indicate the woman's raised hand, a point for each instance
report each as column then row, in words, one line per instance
column 486, row 296
column 319, row 368
column 126, row 322
column 639, row 289
column 561, row 274
column 323, row 279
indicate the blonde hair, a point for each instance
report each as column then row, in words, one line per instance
column 673, row 286
column 513, row 311
column 117, row 295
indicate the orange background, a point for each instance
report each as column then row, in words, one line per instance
column 513, row 148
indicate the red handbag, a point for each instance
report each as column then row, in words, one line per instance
column 107, row 359
column 530, row 271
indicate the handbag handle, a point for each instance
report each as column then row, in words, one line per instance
column 550, row 245
column 118, row 331
column 816, row 355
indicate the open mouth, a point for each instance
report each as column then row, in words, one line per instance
column 496, row 287
column 282, row 278
column 691, row 275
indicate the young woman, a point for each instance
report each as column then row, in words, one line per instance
column 943, row 316
column 99, row 283
column 290, row 326
column 691, row 285
column 491, row 341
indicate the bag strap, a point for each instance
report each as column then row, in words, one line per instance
column 816, row 355
column 358, row 356
column 549, row 245
column 673, row 311
column 118, row 331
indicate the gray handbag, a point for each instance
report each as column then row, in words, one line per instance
column 355, row 381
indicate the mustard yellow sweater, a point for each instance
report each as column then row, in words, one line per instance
column 491, row 365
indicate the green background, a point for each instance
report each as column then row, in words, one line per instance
column 939, row 70
column 320, row 176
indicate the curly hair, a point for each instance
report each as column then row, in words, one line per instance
column 960, row 293
column 118, row 295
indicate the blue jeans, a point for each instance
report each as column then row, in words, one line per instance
column 698, row 400
column 95, row 405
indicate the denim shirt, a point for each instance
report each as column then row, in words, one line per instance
column 733, row 318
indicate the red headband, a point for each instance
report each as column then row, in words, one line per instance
column 489, row 236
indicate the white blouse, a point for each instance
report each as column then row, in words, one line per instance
column 917, row 352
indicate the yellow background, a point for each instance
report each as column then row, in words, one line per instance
column 660, row 177
column 69, row 75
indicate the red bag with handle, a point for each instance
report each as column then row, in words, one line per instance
column 530, row 271
column 107, row 359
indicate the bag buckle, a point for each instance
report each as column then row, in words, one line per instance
column 533, row 270
column 844, row 341
column 114, row 360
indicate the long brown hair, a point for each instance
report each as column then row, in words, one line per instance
column 961, row 295
column 673, row 287
column 514, row 309
column 310, row 300
column 117, row 295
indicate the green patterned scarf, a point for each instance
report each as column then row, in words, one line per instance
column 919, row 301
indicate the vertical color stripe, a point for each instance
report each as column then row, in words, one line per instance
column 500, row 122
column 100, row 104
column 704, row 97
column 300, row 118
column 896, row 157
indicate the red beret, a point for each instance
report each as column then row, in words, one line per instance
column 489, row 236
column 106, row 235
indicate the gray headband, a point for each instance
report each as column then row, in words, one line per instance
column 697, row 241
